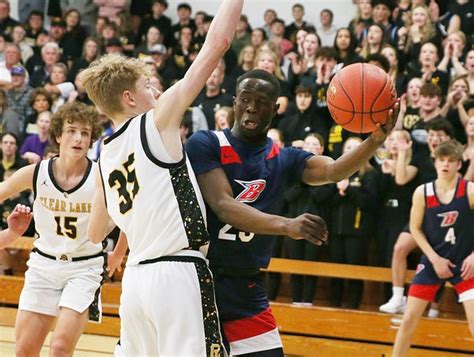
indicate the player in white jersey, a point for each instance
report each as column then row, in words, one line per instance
column 65, row 269
column 167, row 305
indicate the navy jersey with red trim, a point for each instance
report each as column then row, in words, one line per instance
column 257, row 175
column 449, row 227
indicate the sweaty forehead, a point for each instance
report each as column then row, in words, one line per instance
column 257, row 86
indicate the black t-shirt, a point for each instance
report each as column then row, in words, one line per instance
column 412, row 116
column 466, row 13
column 209, row 105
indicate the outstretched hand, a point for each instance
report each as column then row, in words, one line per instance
column 19, row 219
column 310, row 227
column 382, row 131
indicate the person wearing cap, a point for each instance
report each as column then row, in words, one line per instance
column 160, row 20
column 114, row 45
column 381, row 14
column 184, row 11
column 165, row 68
column 57, row 30
column 18, row 96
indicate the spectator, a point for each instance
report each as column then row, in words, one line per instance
column 138, row 10
column 125, row 32
column 9, row 119
column 212, row 97
column 34, row 145
column 305, row 65
column 165, row 68
column 381, row 15
column 50, row 55
column 40, row 101
column 453, row 109
column 258, row 37
column 297, row 12
column 18, row 99
column 160, row 20
column 109, row 31
column 57, row 30
column 303, row 198
column 3, row 43
column 469, row 65
column 462, row 12
column 327, row 31
column 269, row 17
column 363, row 19
column 79, row 94
column 245, row 63
column 425, row 68
column 242, row 35
column 398, row 77
column 90, row 52
column 351, row 214
column 114, row 45
column 201, row 31
column 345, row 44
column 453, row 51
column 183, row 52
column 58, row 87
column 468, row 155
column 34, row 26
column 26, row 7
column 277, row 32
column 184, row 11
column 110, row 8
column 99, row 25
column 86, row 8
column 6, row 22
column 374, row 41
column 224, row 118
column 12, row 56
column 73, row 40
column 409, row 113
column 153, row 37
column 18, row 38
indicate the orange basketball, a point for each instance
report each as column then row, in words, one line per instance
column 359, row 96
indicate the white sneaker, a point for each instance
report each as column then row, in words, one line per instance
column 394, row 306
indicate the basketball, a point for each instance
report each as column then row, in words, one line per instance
column 360, row 96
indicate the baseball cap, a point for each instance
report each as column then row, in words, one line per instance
column 113, row 42
column 17, row 70
column 158, row 48
column 58, row 22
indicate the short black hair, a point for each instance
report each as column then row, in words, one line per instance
column 263, row 75
column 377, row 57
column 184, row 5
column 440, row 124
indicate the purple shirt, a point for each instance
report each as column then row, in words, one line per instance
column 33, row 144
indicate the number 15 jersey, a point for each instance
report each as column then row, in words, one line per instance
column 257, row 175
column 154, row 201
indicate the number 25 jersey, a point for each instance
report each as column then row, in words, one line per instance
column 257, row 175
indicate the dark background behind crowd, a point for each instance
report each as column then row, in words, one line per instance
column 425, row 46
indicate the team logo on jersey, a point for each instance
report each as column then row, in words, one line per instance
column 252, row 191
column 419, row 268
column 449, row 218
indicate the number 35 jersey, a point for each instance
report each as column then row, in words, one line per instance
column 61, row 217
column 449, row 227
column 257, row 175
column 156, row 202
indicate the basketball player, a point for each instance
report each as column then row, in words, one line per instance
column 65, row 269
column 442, row 223
column 242, row 165
column 150, row 191
column 18, row 222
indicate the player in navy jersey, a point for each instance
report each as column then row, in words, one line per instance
column 442, row 223
column 241, row 175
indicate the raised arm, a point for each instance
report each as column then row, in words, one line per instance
column 176, row 100
column 320, row 170
column 99, row 222
column 217, row 193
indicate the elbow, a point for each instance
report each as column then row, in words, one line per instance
column 95, row 238
column 220, row 43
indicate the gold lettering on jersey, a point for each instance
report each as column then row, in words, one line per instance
column 57, row 205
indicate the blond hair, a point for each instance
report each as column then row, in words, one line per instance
column 261, row 53
column 108, row 77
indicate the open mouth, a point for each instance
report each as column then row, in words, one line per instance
column 250, row 124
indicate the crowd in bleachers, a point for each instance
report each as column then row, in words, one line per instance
column 425, row 46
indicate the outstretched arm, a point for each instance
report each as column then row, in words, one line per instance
column 173, row 102
column 320, row 170
column 18, row 223
column 217, row 193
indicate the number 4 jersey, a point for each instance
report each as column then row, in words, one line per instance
column 449, row 227
column 61, row 217
column 257, row 175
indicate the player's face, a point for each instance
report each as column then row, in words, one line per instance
column 447, row 167
column 145, row 95
column 254, row 108
column 75, row 139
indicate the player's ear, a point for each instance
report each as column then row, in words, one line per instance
column 128, row 98
column 275, row 108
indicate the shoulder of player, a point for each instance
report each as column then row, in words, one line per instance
column 419, row 194
column 202, row 137
column 470, row 193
